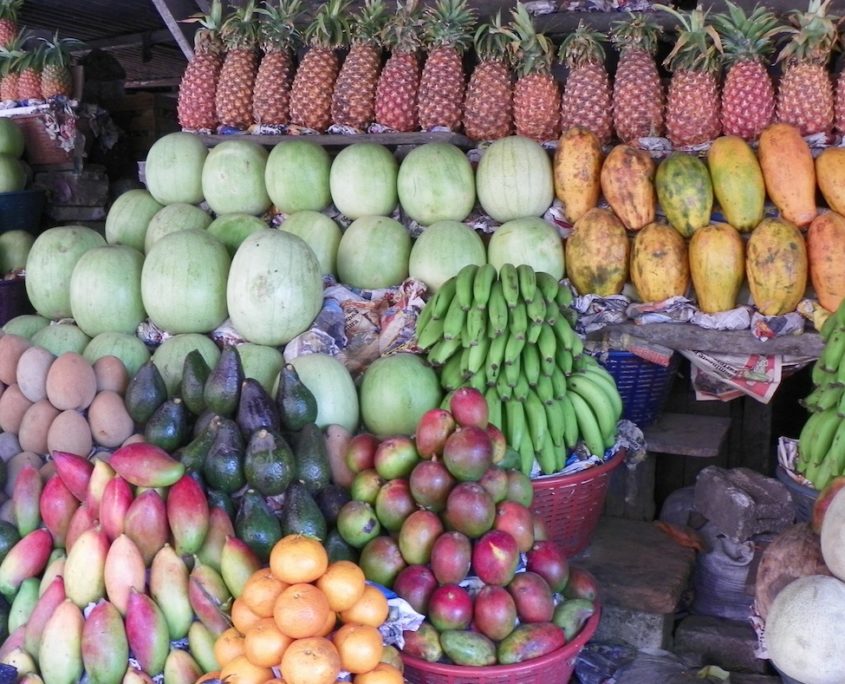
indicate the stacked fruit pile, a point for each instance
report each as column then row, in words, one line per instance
column 289, row 616
column 508, row 336
column 426, row 511
column 511, row 86
column 821, row 444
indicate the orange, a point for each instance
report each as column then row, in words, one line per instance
column 264, row 644
column 241, row 671
column 380, row 674
column 343, row 584
column 331, row 621
column 310, row 661
column 242, row 617
column 228, row 646
column 359, row 647
column 261, row 591
column 371, row 609
column 301, row 611
column 297, row 558
column 275, row 680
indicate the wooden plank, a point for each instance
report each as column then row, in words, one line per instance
column 389, row 139
column 687, row 435
column 688, row 336
column 171, row 12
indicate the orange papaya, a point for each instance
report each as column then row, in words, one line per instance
column 776, row 266
column 789, row 173
column 717, row 266
column 627, row 182
column 826, row 257
column 737, row 182
column 830, row 173
column 577, row 169
column 659, row 263
column 596, row 254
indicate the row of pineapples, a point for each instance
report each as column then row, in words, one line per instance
column 39, row 73
column 512, row 87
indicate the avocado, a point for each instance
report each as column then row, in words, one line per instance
column 221, row 500
column 330, row 499
column 312, row 458
column 167, row 428
column 338, row 548
column 223, row 386
column 223, row 466
column 297, row 404
column 195, row 372
column 193, row 454
column 256, row 409
column 145, row 392
column 301, row 514
column 9, row 536
column 256, row 525
column 269, row 464
column 202, row 422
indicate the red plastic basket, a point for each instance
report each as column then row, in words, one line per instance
column 555, row 667
column 570, row 505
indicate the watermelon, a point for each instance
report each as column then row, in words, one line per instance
column 529, row 241
column 169, row 357
column 173, row 170
column 232, row 229
column 332, row 386
column 128, row 218
column 363, row 180
column 60, row 338
column 11, row 138
column 128, row 348
column 320, row 233
column 373, row 253
column 436, row 183
column 297, row 176
column 173, row 218
column 233, row 178
column 442, row 250
column 12, row 174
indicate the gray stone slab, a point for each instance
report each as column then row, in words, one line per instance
column 730, row 644
column 634, row 627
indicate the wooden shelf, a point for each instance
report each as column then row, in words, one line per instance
column 388, row 139
column 687, row 336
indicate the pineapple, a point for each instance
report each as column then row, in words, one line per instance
column 692, row 104
column 396, row 92
column 586, row 98
column 354, row 96
column 278, row 32
column 638, row 98
column 10, row 58
column 9, row 21
column 235, row 85
column 748, row 96
column 56, row 78
column 195, row 108
column 488, row 108
column 29, row 79
column 448, row 28
column 311, row 94
column 805, row 95
column 536, row 95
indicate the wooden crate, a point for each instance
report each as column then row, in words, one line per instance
column 144, row 117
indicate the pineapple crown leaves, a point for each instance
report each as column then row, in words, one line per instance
column 402, row 32
column 636, row 33
column 530, row 52
column 490, row 41
column 278, row 29
column 814, row 34
column 33, row 59
column 369, row 23
column 10, row 59
column 57, row 51
column 330, row 26
column 698, row 47
column 582, row 47
column 9, row 9
column 449, row 23
column 208, row 35
column 747, row 36
column 240, row 30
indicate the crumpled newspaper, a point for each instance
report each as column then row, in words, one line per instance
column 766, row 327
column 813, row 312
column 595, row 312
column 733, row 319
column 671, row 310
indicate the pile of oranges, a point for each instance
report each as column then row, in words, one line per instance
column 309, row 619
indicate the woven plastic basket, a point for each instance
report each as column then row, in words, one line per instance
column 554, row 668
column 570, row 505
column 803, row 497
column 642, row 385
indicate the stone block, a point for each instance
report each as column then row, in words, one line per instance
column 730, row 644
column 745, row 678
column 630, row 493
column 635, row 627
column 742, row 503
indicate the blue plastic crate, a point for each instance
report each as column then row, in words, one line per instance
column 642, row 385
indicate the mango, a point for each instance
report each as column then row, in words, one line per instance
column 80, row 521
column 201, row 643
column 717, row 266
column 52, row 597
column 169, row 588
column 27, row 558
column 135, row 676
column 75, row 472
column 187, row 515
column 577, row 172
column 825, row 255
column 146, row 524
column 597, row 254
column 530, row 640
column 209, row 597
column 572, row 615
column 776, row 266
column 101, row 475
column 26, row 496
column 789, row 173
column 85, row 567
column 219, row 527
column 21, row 661
column 737, row 182
column 464, row 647
column 147, row 633
column 238, row 563
column 146, row 465
column 114, row 504
column 181, row 668
column 423, row 643
column 627, row 182
column 57, row 504
column 60, row 652
column 13, row 641
column 24, row 603
column 659, row 263
column 124, row 570
column 105, row 647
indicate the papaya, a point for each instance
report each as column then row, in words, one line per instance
column 627, row 182
column 596, row 254
column 577, row 172
column 826, row 256
column 717, row 266
column 776, row 266
column 737, row 182
column 789, row 173
column 685, row 192
column 830, row 173
column 659, row 263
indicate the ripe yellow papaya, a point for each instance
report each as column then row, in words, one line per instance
column 597, row 254
column 826, row 257
column 627, row 182
column 659, row 263
column 737, row 182
column 577, row 169
column 717, row 266
column 789, row 173
column 776, row 266
column 830, row 173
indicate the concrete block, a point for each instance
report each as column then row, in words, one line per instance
column 730, row 644
column 635, row 627
column 742, row 503
column 744, row 678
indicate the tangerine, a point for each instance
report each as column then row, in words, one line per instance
column 228, row 646
column 301, row 611
column 241, row 671
column 313, row 660
column 343, row 583
column 380, row 674
column 359, row 646
column 371, row 609
column 261, row 591
column 242, row 617
column 264, row 644
column 297, row 558
column 331, row 621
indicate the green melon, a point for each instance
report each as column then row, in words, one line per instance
column 373, row 253
column 233, row 178
column 169, row 357
column 60, row 338
column 529, row 241
column 172, row 219
column 233, row 229
column 14, row 249
column 297, row 176
column 332, row 387
column 320, row 233
column 261, row 363
column 11, row 138
column 25, row 325
column 128, row 218
column 128, row 348
column 173, row 170
column 363, row 180
column 442, row 250
column 436, row 183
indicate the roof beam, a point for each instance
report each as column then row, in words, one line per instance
column 171, row 11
